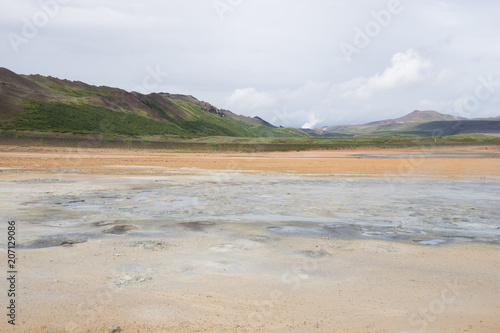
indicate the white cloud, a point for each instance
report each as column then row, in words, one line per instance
column 464, row 105
column 285, row 68
column 406, row 68
column 310, row 90
column 296, row 104
column 325, row 103
column 248, row 99
column 444, row 76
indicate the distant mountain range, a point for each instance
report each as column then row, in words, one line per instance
column 414, row 124
column 417, row 117
column 38, row 103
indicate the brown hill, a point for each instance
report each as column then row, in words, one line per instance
column 417, row 117
column 416, row 124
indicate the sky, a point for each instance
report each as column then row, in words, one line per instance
column 299, row 63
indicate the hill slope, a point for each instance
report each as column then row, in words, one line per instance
column 415, row 124
column 39, row 103
column 417, row 117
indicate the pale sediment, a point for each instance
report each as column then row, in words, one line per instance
column 271, row 250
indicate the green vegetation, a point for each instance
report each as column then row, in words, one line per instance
column 63, row 107
column 202, row 123
column 162, row 112
column 472, row 138
column 233, row 144
column 310, row 142
column 86, row 119
column 104, row 91
column 213, row 144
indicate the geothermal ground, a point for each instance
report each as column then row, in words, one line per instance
column 364, row 240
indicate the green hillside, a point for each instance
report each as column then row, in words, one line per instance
column 35, row 103
column 47, row 104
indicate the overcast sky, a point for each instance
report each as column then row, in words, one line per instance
column 308, row 63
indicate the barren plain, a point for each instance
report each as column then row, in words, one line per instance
column 362, row 240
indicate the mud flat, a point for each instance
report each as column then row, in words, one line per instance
column 309, row 242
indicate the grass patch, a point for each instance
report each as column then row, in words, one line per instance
column 88, row 119
column 104, row 91
column 206, row 124
column 162, row 112
column 84, row 118
column 472, row 138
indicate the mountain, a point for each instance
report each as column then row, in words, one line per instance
column 417, row 117
column 414, row 124
column 48, row 104
column 38, row 103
